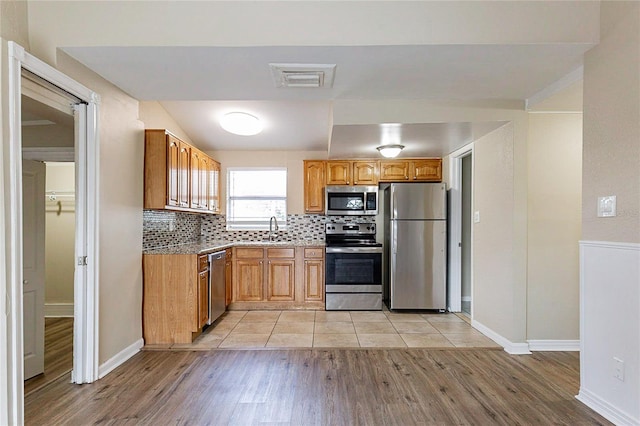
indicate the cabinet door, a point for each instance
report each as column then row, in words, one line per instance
column 194, row 199
column 365, row 172
column 173, row 155
column 184, row 160
column 338, row 172
column 203, row 186
column 249, row 286
column 314, row 186
column 394, row 171
column 203, row 298
column 427, row 170
column 281, row 280
column 313, row 280
column 228, row 269
column 214, row 188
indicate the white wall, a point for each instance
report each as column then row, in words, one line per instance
column 60, row 236
column 555, row 197
column 610, row 290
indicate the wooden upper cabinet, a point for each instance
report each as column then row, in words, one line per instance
column 196, row 184
column 352, row 172
column 338, row 172
column 176, row 175
column 418, row 170
column 173, row 149
column 184, row 178
column 365, row 172
column 429, row 169
column 314, row 182
column 214, row 186
column 394, row 171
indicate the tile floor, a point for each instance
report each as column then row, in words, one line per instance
column 322, row 329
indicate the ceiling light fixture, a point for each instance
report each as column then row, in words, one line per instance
column 390, row 151
column 241, row 123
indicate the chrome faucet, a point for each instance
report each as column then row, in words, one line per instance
column 273, row 230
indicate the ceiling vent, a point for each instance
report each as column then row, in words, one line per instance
column 303, row 75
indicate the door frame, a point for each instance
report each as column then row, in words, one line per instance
column 85, row 362
column 454, row 302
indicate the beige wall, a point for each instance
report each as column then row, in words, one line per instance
column 60, row 235
column 496, row 301
column 555, row 189
column 292, row 160
column 611, row 159
column 154, row 116
column 13, row 22
column 120, row 217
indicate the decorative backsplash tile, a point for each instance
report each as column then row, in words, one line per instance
column 168, row 228
column 298, row 227
column 163, row 228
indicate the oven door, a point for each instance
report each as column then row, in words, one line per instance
column 353, row 278
column 353, row 270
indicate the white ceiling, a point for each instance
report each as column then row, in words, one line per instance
column 198, row 84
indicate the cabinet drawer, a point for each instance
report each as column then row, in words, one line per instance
column 203, row 263
column 249, row 253
column 281, row 253
column 314, row 253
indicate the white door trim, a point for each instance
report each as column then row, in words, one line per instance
column 85, row 368
column 455, row 228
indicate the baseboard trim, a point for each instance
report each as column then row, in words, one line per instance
column 58, row 310
column 509, row 346
column 554, row 345
column 117, row 360
column 605, row 409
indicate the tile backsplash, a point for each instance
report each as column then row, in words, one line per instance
column 162, row 228
column 168, row 228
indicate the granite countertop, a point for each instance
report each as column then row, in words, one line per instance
column 209, row 246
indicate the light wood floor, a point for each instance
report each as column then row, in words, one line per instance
column 324, row 387
column 58, row 353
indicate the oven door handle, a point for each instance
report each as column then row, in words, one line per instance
column 353, row 249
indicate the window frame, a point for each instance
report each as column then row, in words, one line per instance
column 262, row 225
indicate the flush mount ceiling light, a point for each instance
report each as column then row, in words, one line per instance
column 241, row 123
column 390, row 151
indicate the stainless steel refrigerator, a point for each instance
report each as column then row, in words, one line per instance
column 415, row 246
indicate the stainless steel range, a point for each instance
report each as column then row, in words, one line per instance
column 353, row 276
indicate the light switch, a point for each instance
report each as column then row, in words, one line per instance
column 607, row 206
column 476, row 216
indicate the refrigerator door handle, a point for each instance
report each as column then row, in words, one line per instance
column 394, row 238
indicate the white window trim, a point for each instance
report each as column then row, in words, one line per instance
column 254, row 226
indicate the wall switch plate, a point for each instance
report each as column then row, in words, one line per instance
column 618, row 369
column 607, row 206
column 476, row 216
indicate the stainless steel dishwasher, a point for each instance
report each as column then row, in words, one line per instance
column 216, row 285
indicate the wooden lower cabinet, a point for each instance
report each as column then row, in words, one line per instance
column 277, row 278
column 313, row 274
column 228, row 279
column 175, row 297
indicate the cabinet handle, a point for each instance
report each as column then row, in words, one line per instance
column 406, row 177
column 415, row 177
column 355, row 182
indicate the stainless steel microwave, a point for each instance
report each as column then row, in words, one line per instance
column 351, row 200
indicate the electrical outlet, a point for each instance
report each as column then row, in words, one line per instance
column 618, row 369
column 607, row 206
column 476, row 216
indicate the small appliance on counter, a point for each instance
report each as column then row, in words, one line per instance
column 353, row 274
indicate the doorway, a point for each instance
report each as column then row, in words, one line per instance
column 460, row 244
column 467, row 207
column 85, row 334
